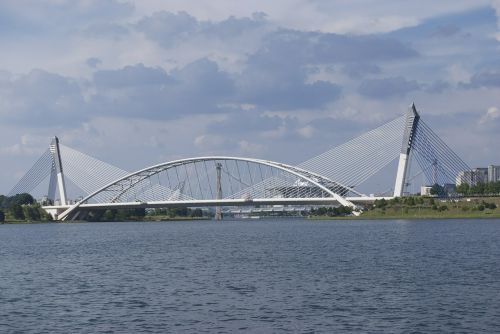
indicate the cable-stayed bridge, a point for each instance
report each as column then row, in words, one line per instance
column 331, row 178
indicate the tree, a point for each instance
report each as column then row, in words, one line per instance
column 17, row 211
column 437, row 190
column 197, row 213
column 410, row 201
column 380, row 203
column 2, row 216
column 140, row 212
column 31, row 213
column 109, row 215
column 22, row 199
column 463, row 189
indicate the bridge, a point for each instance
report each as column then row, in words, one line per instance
column 331, row 178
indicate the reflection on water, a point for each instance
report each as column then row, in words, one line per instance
column 251, row 276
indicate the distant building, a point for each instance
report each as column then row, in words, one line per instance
column 448, row 189
column 425, row 190
column 463, row 177
column 480, row 175
column 472, row 177
column 493, row 173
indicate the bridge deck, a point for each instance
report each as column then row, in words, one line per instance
column 223, row 202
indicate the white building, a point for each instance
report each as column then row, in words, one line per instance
column 493, row 173
column 425, row 190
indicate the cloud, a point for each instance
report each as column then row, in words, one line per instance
column 328, row 48
column 444, row 31
column 131, row 76
column 491, row 115
column 359, row 70
column 436, row 87
column 93, row 62
column 141, row 91
column 106, row 30
column 496, row 5
column 374, row 16
column 387, row 87
column 168, row 29
column 245, row 122
column 485, row 79
column 39, row 16
column 276, row 76
column 40, row 98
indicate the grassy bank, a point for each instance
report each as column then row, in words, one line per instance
column 429, row 208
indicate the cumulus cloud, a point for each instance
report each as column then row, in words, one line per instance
column 40, row 98
column 169, row 28
column 387, row 87
column 485, row 79
column 359, row 70
column 93, row 62
column 496, row 6
column 491, row 115
column 38, row 16
column 106, row 30
column 276, row 75
column 141, row 91
column 131, row 76
column 245, row 122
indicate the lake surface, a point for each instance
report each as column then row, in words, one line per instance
column 258, row 276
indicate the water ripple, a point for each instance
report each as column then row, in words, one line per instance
column 282, row 276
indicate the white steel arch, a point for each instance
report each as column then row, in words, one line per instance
column 123, row 184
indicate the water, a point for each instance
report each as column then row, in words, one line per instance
column 267, row 276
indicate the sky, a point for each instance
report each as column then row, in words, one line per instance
column 136, row 83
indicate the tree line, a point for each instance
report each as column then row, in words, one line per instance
column 21, row 207
column 488, row 188
column 339, row 211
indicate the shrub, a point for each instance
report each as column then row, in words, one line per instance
column 491, row 206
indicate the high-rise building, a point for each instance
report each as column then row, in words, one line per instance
column 472, row 177
column 463, row 177
column 480, row 175
column 493, row 173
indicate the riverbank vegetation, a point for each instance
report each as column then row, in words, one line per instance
column 141, row 214
column 479, row 189
column 415, row 207
column 430, row 207
column 21, row 208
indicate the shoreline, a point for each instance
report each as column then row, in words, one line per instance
column 311, row 218
column 403, row 217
